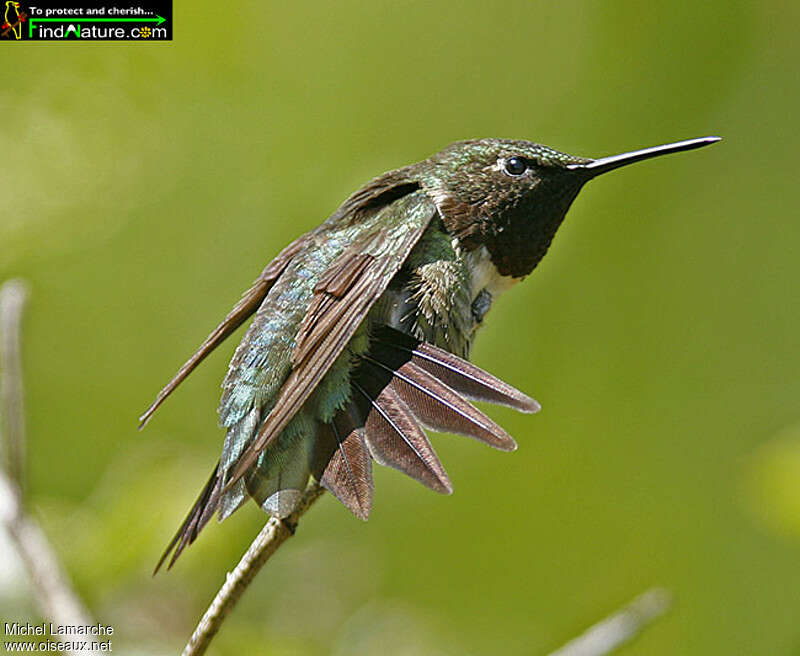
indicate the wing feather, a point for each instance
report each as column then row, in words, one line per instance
column 202, row 510
column 342, row 298
column 248, row 304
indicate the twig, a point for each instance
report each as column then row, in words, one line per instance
column 51, row 586
column 266, row 543
column 13, row 295
column 617, row 629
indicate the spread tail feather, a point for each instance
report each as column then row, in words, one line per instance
column 343, row 463
column 395, row 439
column 439, row 407
column 460, row 375
column 399, row 384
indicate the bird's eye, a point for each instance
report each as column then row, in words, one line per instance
column 516, row 165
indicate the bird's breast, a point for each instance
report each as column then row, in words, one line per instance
column 485, row 276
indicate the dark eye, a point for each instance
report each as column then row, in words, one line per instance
column 516, row 165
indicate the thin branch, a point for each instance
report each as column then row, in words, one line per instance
column 617, row 629
column 13, row 296
column 51, row 586
column 266, row 543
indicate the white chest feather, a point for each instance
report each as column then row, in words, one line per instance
column 485, row 275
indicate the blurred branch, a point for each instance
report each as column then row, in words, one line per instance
column 13, row 295
column 617, row 629
column 266, row 543
column 51, row 586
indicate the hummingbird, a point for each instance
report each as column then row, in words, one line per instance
column 363, row 328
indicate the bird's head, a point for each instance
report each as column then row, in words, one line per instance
column 510, row 196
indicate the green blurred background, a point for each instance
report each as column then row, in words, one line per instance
column 146, row 185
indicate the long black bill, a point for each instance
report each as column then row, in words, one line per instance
column 606, row 164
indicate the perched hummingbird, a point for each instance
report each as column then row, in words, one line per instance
column 363, row 327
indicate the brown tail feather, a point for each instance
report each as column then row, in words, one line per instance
column 395, row 439
column 458, row 374
column 344, row 465
column 438, row 407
